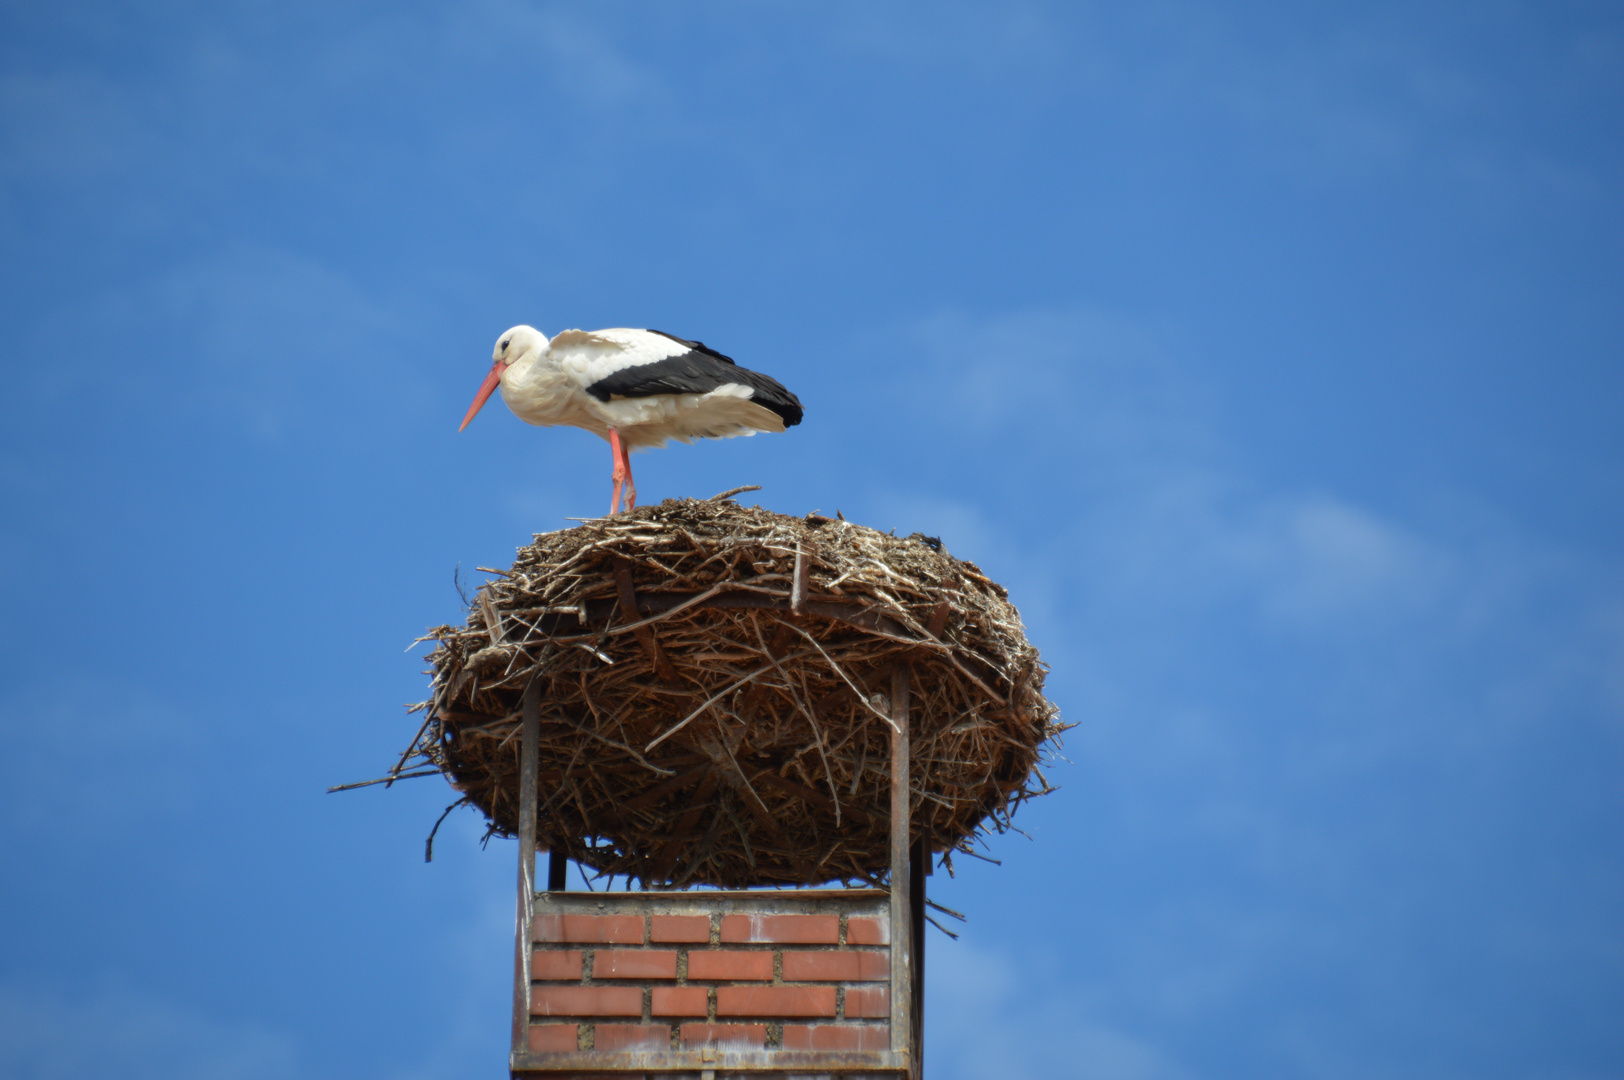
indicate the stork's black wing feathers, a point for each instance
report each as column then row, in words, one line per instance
column 697, row 371
column 696, row 346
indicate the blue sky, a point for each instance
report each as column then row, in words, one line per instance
column 1270, row 353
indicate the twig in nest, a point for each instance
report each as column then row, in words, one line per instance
column 390, row 779
column 817, row 733
column 730, row 492
column 707, row 703
column 617, row 744
column 428, row 845
column 862, row 697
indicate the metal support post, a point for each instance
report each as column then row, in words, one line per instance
column 918, row 869
column 901, row 920
column 556, row 865
column 529, row 749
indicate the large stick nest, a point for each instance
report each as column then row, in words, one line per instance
column 714, row 690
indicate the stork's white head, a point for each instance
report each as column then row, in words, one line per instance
column 519, row 345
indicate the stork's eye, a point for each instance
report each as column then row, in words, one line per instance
column 504, row 345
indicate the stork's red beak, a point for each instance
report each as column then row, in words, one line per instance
column 486, row 389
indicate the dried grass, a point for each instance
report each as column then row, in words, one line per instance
column 733, row 731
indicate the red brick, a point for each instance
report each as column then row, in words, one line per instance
column 775, row 1001
column 836, row 1036
column 863, row 930
column 789, row 929
column 750, row 1035
column 556, row 964
column 868, row 1001
column 632, row 1037
column 586, row 1001
column 634, row 964
column 680, row 1001
column 546, row 1038
column 730, row 965
column 597, row 929
column 684, row 928
column 841, row 966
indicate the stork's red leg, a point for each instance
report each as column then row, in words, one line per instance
column 631, row 485
column 618, row 452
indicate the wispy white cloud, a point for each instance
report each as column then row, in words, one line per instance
column 1339, row 100
column 993, row 1014
column 1153, row 507
column 277, row 339
column 1087, row 381
column 237, row 95
column 70, row 127
column 60, row 734
column 472, row 1021
column 554, row 43
column 1262, row 672
column 49, row 1034
column 968, row 36
column 263, row 338
column 1426, row 636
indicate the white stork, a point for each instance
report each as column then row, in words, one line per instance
column 635, row 388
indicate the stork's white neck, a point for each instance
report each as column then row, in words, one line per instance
column 539, row 391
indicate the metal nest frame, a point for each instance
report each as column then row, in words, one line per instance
column 908, row 866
